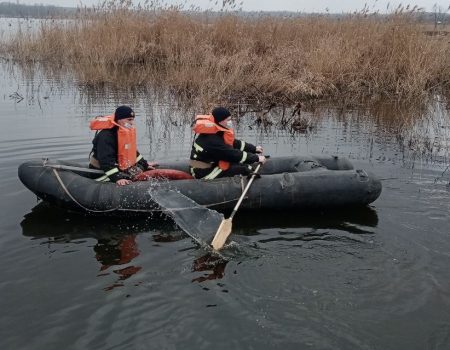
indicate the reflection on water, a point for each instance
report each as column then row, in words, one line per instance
column 111, row 252
column 421, row 131
column 116, row 247
column 214, row 264
column 353, row 217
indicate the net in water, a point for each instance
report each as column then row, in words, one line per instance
column 197, row 221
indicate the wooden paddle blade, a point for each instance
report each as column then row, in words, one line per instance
column 222, row 234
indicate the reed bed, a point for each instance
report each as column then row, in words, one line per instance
column 228, row 57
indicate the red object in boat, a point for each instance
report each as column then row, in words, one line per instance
column 167, row 174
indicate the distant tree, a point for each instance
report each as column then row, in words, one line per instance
column 9, row 9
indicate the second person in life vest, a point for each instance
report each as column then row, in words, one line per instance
column 216, row 153
column 114, row 147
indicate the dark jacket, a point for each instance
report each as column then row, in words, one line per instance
column 105, row 150
column 215, row 149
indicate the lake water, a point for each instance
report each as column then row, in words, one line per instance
column 372, row 278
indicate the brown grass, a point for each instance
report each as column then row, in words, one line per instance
column 229, row 58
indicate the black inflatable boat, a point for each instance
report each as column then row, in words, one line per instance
column 285, row 182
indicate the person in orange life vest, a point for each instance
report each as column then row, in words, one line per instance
column 110, row 146
column 216, row 153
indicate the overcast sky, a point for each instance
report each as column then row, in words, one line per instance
column 335, row 6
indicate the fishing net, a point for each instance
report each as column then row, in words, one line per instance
column 197, row 221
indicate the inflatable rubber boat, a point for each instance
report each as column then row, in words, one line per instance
column 285, row 182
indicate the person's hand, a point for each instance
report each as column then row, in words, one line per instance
column 152, row 165
column 123, row 182
column 261, row 159
column 259, row 149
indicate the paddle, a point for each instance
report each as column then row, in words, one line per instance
column 224, row 229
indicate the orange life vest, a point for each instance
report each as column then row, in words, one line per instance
column 126, row 140
column 205, row 124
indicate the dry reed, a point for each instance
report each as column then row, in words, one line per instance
column 229, row 57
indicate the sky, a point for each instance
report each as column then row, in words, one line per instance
column 334, row 6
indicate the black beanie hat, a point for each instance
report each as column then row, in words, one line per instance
column 123, row 112
column 220, row 113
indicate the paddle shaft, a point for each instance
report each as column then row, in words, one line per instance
column 224, row 229
column 236, row 207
